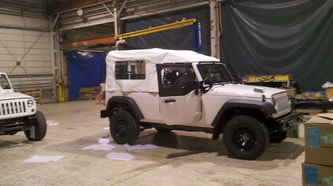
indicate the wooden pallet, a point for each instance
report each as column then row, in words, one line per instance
column 36, row 93
column 41, row 95
column 89, row 93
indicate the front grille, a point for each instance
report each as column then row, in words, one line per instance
column 282, row 103
column 12, row 108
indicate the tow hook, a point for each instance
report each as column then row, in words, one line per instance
column 300, row 118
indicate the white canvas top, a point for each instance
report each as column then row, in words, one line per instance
column 157, row 55
column 151, row 57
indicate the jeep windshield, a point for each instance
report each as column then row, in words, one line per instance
column 215, row 73
column 4, row 83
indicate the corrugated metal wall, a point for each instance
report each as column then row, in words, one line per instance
column 25, row 53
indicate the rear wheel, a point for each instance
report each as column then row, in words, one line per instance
column 39, row 128
column 245, row 137
column 124, row 128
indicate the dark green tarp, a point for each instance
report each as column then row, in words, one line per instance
column 181, row 38
column 280, row 37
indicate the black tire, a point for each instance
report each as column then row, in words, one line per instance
column 278, row 138
column 163, row 130
column 245, row 137
column 40, row 128
column 124, row 128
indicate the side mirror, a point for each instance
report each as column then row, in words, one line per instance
column 208, row 81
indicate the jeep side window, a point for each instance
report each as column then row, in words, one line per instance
column 130, row 70
column 4, row 82
column 175, row 79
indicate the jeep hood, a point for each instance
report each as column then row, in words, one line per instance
column 240, row 90
column 6, row 95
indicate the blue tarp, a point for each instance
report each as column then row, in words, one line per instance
column 85, row 69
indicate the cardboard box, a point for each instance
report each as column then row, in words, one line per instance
column 319, row 140
column 329, row 92
column 317, row 174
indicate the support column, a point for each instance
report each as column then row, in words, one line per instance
column 214, row 29
column 119, row 41
column 57, row 56
column 115, row 19
column 54, row 57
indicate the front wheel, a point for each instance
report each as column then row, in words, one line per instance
column 39, row 128
column 245, row 137
column 124, row 128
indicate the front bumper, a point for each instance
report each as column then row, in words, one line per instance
column 288, row 120
column 17, row 124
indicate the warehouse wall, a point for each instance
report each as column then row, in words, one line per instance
column 25, row 52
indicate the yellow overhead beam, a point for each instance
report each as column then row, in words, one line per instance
column 149, row 30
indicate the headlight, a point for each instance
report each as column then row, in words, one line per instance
column 30, row 103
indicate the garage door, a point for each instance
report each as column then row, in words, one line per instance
column 25, row 55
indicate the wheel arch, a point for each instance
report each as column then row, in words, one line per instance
column 257, row 109
column 127, row 103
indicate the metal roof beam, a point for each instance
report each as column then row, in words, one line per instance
column 73, row 5
column 97, row 18
column 89, row 23
column 154, row 12
column 149, row 30
column 89, row 42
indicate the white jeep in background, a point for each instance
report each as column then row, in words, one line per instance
column 184, row 90
column 18, row 113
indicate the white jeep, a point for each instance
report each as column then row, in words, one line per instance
column 18, row 113
column 184, row 90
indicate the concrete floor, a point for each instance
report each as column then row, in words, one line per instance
column 178, row 158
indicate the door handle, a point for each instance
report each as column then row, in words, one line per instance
column 169, row 100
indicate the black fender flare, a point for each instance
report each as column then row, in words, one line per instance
column 127, row 101
column 264, row 107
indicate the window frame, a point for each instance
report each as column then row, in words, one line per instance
column 9, row 86
column 173, row 91
column 131, row 72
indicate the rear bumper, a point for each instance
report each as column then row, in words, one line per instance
column 286, row 121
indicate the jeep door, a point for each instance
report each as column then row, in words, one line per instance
column 179, row 102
